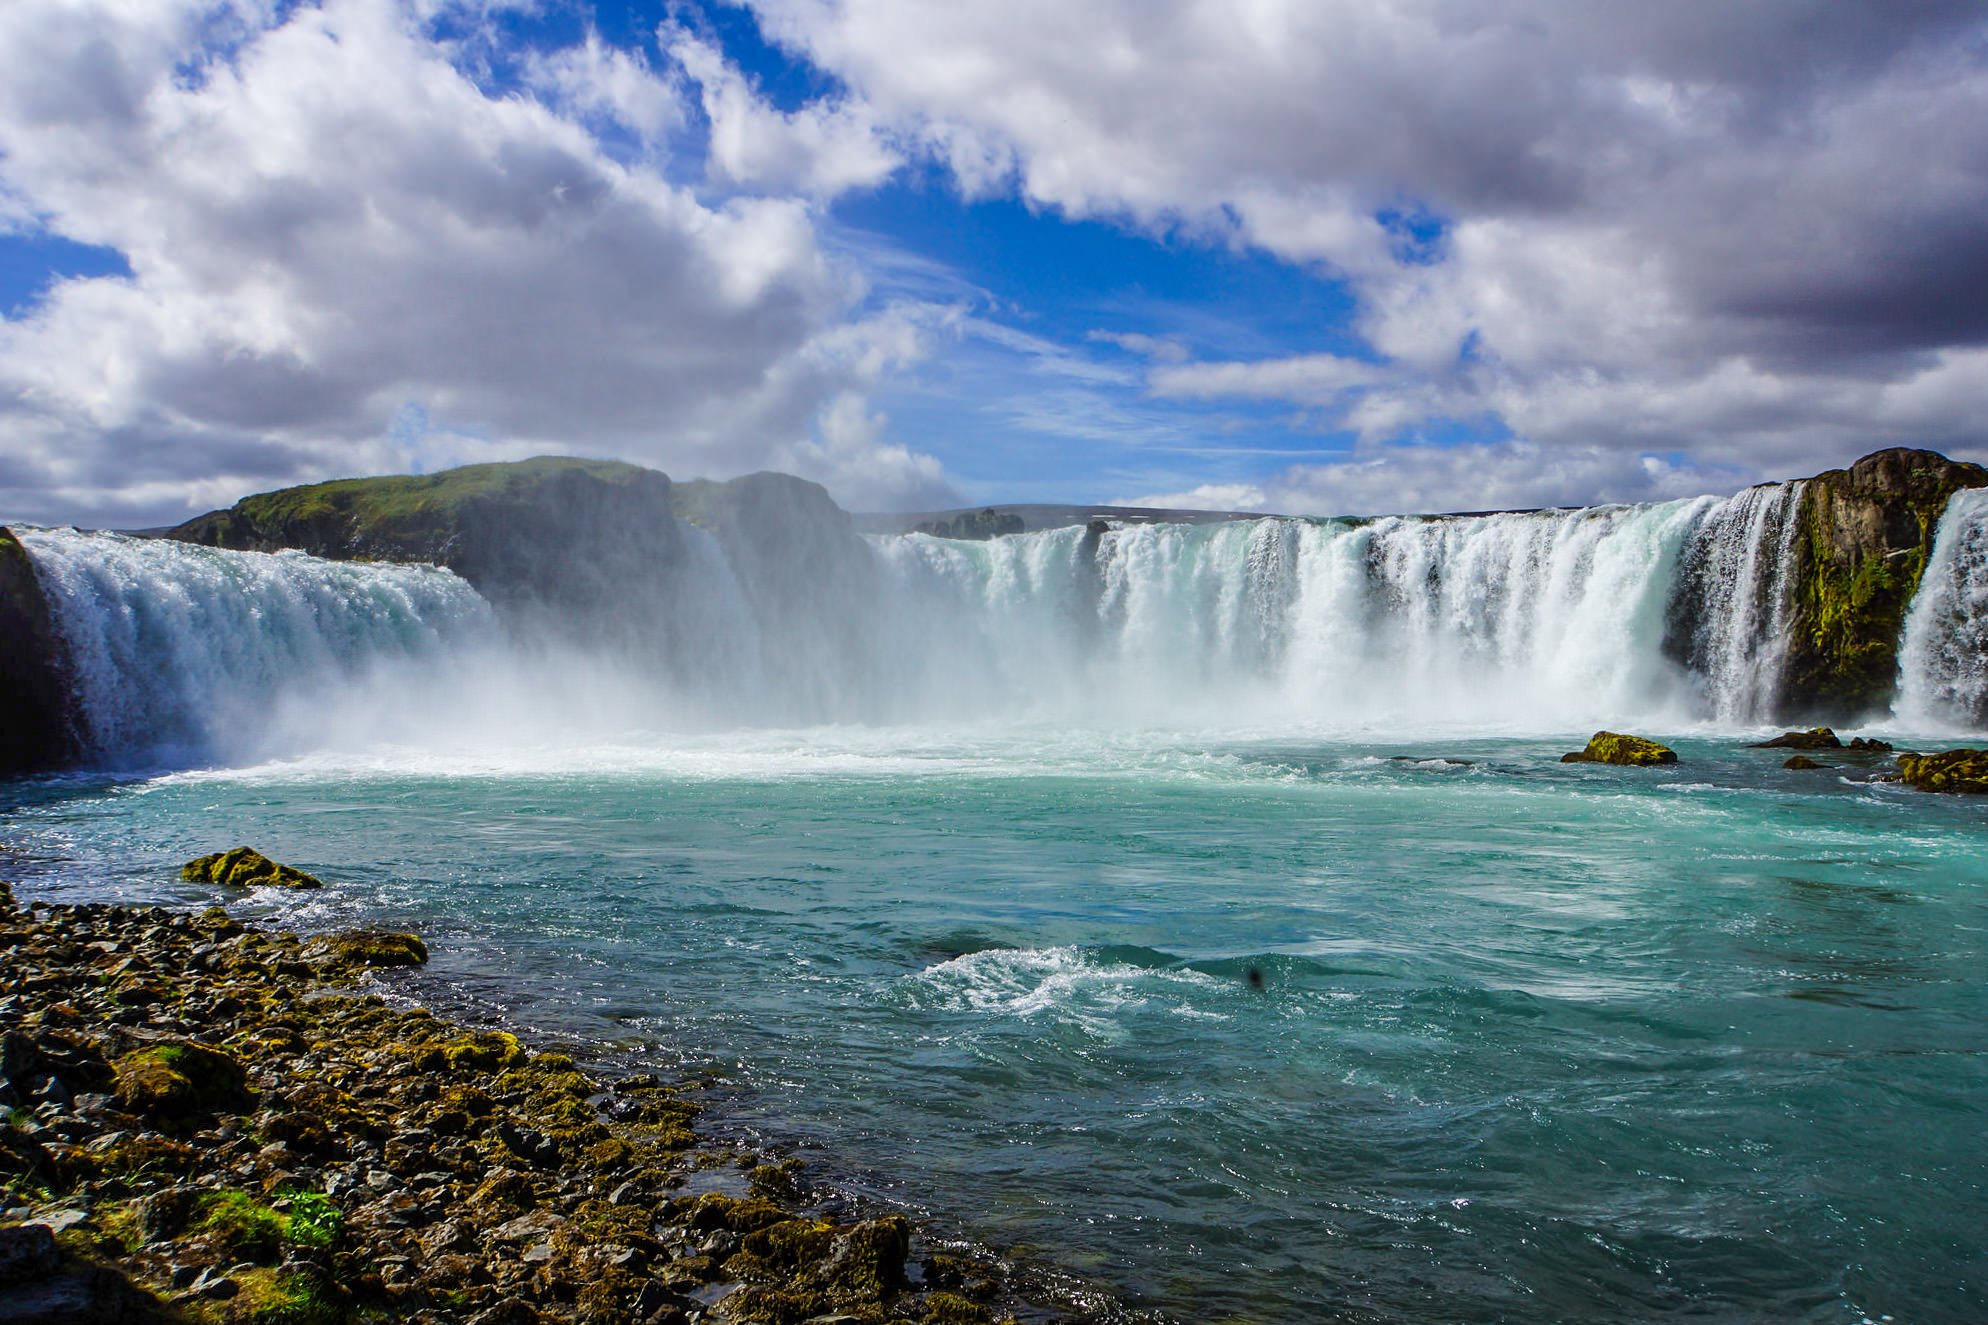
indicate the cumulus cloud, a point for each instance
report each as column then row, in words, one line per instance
column 331, row 227
column 1746, row 232
column 1203, row 497
column 822, row 149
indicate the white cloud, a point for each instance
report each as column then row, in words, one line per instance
column 822, row 149
column 1512, row 475
column 1205, row 497
column 1737, row 230
column 330, row 223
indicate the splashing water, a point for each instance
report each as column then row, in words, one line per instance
column 1943, row 657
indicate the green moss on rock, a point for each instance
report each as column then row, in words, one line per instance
column 1862, row 540
column 362, row 949
column 179, row 1079
column 1948, row 770
column 1616, row 748
column 245, row 867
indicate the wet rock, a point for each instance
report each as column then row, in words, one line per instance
column 362, row 949
column 1616, row 748
column 1949, row 770
column 1803, row 762
column 245, row 867
column 1870, row 744
column 1815, row 738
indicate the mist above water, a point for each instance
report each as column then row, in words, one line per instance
column 1666, row 616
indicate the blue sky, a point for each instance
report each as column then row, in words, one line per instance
column 1358, row 256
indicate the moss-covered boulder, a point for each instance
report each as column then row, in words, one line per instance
column 1863, row 537
column 1948, row 770
column 1815, row 738
column 36, row 727
column 362, row 949
column 245, row 867
column 1616, row 748
column 174, row 1080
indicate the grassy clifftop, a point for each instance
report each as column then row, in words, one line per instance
column 576, row 533
column 398, row 516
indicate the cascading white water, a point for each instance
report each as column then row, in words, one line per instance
column 1733, row 600
column 1943, row 654
column 178, row 651
column 1550, row 620
column 1535, row 619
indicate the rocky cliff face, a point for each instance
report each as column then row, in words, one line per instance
column 1864, row 535
column 35, row 731
column 582, row 536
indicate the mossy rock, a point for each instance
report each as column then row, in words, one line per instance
column 1861, row 543
column 479, row 1051
column 943, row 1308
column 1803, row 763
column 1949, row 770
column 177, row 1079
column 245, row 867
column 1616, row 748
column 361, row 949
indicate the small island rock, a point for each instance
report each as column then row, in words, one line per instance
column 245, row 867
column 1815, row 738
column 1947, row 770
column 1616, row 748
column 1803, row 762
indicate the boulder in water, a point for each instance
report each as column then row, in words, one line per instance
column 1869, row 744
column 1616, row 748
column 1947, row 770
column 1803, row 763
column 245, row 867
column 1815, row 738
column 361, row 948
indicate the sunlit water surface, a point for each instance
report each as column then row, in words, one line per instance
column 1532, row 1041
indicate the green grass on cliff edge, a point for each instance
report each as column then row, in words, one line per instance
column 409, row 501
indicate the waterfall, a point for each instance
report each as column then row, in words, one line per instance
column 1670, row 613
column 179, row 652
column 1729, row 615
column 1943, row 655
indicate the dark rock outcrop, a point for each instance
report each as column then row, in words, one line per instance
column 1815, row 738
column 583, row 536
column 1616, row 748
column 979, row 525
column 36, row 733
column 1948, row 770
column 1863, row 540
column 1802, row 764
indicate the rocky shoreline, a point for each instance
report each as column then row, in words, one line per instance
column 205, row 1122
